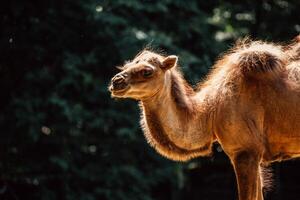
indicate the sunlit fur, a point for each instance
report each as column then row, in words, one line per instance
column 249, row 104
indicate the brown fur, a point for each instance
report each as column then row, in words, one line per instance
column 249, row 103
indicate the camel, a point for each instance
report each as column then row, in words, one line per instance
column 249, row 104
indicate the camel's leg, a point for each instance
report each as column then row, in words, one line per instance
column 246, row 166
column 260, row 185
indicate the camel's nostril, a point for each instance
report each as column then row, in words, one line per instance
column 118, row 80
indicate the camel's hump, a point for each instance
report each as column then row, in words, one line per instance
column 258, row 59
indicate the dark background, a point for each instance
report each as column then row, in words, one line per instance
column 63, row 137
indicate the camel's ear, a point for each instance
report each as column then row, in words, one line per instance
column 169, row 62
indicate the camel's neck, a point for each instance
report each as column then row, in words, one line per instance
column 174, row 122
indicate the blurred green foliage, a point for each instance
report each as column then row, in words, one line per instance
column 63, row 137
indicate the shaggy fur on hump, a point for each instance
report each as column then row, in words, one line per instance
column 258, row 58
column 246, row 60
column 293, row 49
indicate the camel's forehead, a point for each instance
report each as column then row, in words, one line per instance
column 147, row 55
column 143, row 57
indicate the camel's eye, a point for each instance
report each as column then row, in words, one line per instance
column 147, row 72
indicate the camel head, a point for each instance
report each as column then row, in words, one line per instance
column 143, row 77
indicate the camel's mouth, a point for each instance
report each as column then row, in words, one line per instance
column 118, row 92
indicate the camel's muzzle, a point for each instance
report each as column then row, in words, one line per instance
column 118, row 83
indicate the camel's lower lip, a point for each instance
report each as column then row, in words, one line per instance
column 120, row 92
